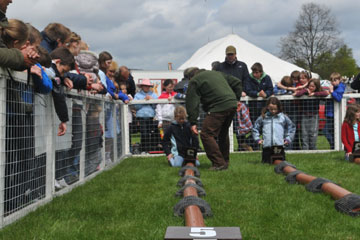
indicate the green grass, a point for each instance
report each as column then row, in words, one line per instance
column 135, row 200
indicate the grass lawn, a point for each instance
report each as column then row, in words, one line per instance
column 135, row 200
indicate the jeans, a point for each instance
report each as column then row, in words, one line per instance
column 177, row 161
column 329, row 131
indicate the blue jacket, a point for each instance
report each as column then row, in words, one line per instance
column 274, row 129
column 79, row 80
column 43, row 85
column 252, row 87
column 337, row 94
column 110, row 87
column 145, row 110
column 280, row 91
column 47, row 43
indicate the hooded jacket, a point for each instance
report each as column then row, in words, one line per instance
column 274, row 129
column 178, row 136
column 253, row 86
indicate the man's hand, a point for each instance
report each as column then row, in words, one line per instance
column 194, row 130
column 30, row 56
column 68, row 83
column 62, row 129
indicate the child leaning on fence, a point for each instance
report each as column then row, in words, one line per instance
column 336, row 89
column 350, row 129
column 275, row 127
column 178, row 137
column 145, row 113
column 165, row 112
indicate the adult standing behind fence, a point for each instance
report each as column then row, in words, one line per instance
column 219, row 95
column 233, row 67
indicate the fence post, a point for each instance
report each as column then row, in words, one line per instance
column 50, row 139
column 2, row 144
column 83, row 145
column 102, row 122
column 114, row 146
column 125, row 129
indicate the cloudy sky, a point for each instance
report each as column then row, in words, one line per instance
column 147, row 34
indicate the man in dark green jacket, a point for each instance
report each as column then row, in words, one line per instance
column 14, row 58
column 219, row 95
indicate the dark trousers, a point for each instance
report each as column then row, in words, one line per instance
column 149, row 134
column 266, row 155
column 217, row 125
column 328, row 131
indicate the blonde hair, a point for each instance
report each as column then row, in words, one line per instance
column 83, row 45
column 180, row 111
column 17, row 30
column 113, row 66
column 335, row 76
column 74, row 37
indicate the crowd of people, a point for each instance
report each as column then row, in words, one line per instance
column 58, row 58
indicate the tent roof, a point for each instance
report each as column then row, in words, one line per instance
column 247, row 52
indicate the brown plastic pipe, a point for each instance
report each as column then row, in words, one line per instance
column 357, row 160
column 334, row 190
column 193, row 215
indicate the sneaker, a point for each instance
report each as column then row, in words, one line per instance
column 63, row 183
column 213, row 168
column 220, row 168
column 57, row 185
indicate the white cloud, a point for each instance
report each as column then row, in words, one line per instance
column 148, row 34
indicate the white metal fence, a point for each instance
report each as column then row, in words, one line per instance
column 36, row 164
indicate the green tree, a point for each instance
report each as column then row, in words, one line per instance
column 316, row 33
column 342, row 61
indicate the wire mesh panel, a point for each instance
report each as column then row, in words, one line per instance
column 24, row 170
column 64, row 159
column 312, row 116
column 94, row 136
column 147, row 130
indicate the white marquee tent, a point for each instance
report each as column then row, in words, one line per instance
column 247, row 52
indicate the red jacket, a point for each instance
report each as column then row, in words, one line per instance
column 348, row 136
column 166, row 95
